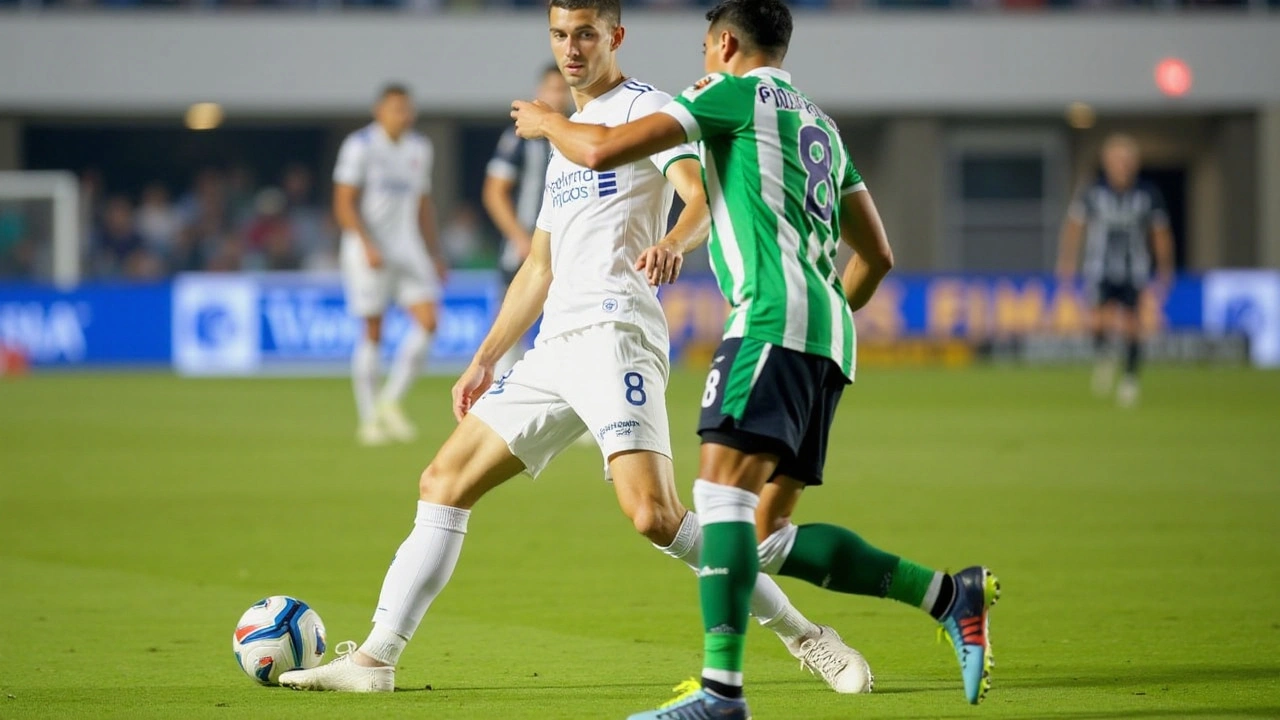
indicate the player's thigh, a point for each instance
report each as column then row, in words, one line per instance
column 617, row 384
column 416, row 281
column 525, row 410
column 470, row 463
column 645, row 484
column 366, row 289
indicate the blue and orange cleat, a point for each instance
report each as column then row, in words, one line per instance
column 966, row 623
column 694, row 703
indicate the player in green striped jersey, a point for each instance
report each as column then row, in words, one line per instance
column 783, row 193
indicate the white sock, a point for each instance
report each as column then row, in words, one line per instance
column 420, row 570
column 384, row 645
column 364, row 378
column 769, row 604
column 409, row 356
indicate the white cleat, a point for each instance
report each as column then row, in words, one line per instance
column 394, row 422
column 1127, row 392
column 842, row 667
column 371, row 434
column 1104, row 378
column 342, row 675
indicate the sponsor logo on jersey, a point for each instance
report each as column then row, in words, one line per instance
column 571, row 186
column 620, row 428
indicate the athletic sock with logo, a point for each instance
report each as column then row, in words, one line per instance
column 838, row 559
column 726, row 577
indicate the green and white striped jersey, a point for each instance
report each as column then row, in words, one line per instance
column 774, row 167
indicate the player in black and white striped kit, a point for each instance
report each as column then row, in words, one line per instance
column 1119, row 221
column 513, row 188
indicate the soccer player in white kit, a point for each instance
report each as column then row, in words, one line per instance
column 390, row 252
column 599, row 364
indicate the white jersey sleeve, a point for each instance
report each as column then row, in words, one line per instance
column 352, row 165
column 647, row 104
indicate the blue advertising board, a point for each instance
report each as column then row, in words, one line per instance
column 296, row 323
column 92, row 325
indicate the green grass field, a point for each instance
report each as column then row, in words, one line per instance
column 1139, row 552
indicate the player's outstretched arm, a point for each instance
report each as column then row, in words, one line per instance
column 661, row 263
column 861, row 228
column 520, row 308
column 596, row 146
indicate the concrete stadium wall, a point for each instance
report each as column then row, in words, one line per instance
column 851, row 63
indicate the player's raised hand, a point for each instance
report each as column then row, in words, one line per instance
column 473, row 383
column 529, row 117
column 660, row 264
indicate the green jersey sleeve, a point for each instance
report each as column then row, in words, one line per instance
column 851, row 181
column 717, row 104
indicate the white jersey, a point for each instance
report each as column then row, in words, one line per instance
column 600, row 222
column 392, row 177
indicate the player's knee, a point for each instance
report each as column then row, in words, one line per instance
column 439, row 486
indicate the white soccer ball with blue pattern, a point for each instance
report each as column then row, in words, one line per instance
column 276, row 635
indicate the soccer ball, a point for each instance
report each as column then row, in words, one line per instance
column 276, row 635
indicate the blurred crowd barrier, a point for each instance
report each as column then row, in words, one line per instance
column 296, row 323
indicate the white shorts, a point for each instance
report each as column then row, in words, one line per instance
column 407, row 279
column 604, row 379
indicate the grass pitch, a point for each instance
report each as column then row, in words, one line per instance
column 1139, row 552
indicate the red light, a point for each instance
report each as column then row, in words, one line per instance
column 1173, row 77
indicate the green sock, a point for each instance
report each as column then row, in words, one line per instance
column 837, row 559
column 725, row 581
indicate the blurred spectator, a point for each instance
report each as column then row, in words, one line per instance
column 226, row 254
column 241, row 190
column 204, row 206
column 314, row 233
column 158, row 221
column 269, row 237
column 117, row 243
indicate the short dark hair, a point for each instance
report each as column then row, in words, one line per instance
column 765, row 25
column 393, row 88
column 610, row 10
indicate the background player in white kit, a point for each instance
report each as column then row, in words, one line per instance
column 600, row 363
column 390, row 252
